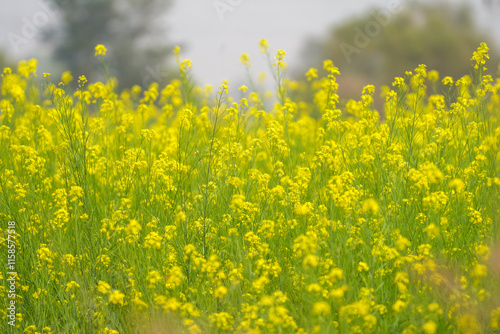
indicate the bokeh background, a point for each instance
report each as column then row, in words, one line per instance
column 140, row 36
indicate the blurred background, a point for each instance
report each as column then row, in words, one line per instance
column 371, row 41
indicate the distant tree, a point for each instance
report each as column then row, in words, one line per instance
column 490, row 3
column 4, row 61
column 137, row 50
column 382, row 45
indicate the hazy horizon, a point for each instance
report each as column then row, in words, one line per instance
column 214, row 39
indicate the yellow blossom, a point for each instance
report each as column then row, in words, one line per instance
column 100, row 50
column 429, row 327
column 263, row 45
column 103, row 287
column 362, row 266
column 71, row 285
column 116, row 297
column 220, row 292
column 321, row 308
column 245, row 59
column 399, row 306
column 66, row 77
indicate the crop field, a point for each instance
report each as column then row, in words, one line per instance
column 187, row 209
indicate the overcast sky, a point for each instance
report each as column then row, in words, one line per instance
column 214, row 33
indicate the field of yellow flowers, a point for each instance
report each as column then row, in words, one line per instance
column 179, row 209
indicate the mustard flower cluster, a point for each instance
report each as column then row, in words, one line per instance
column 183, row 209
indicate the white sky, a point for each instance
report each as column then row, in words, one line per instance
column 215, row 40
